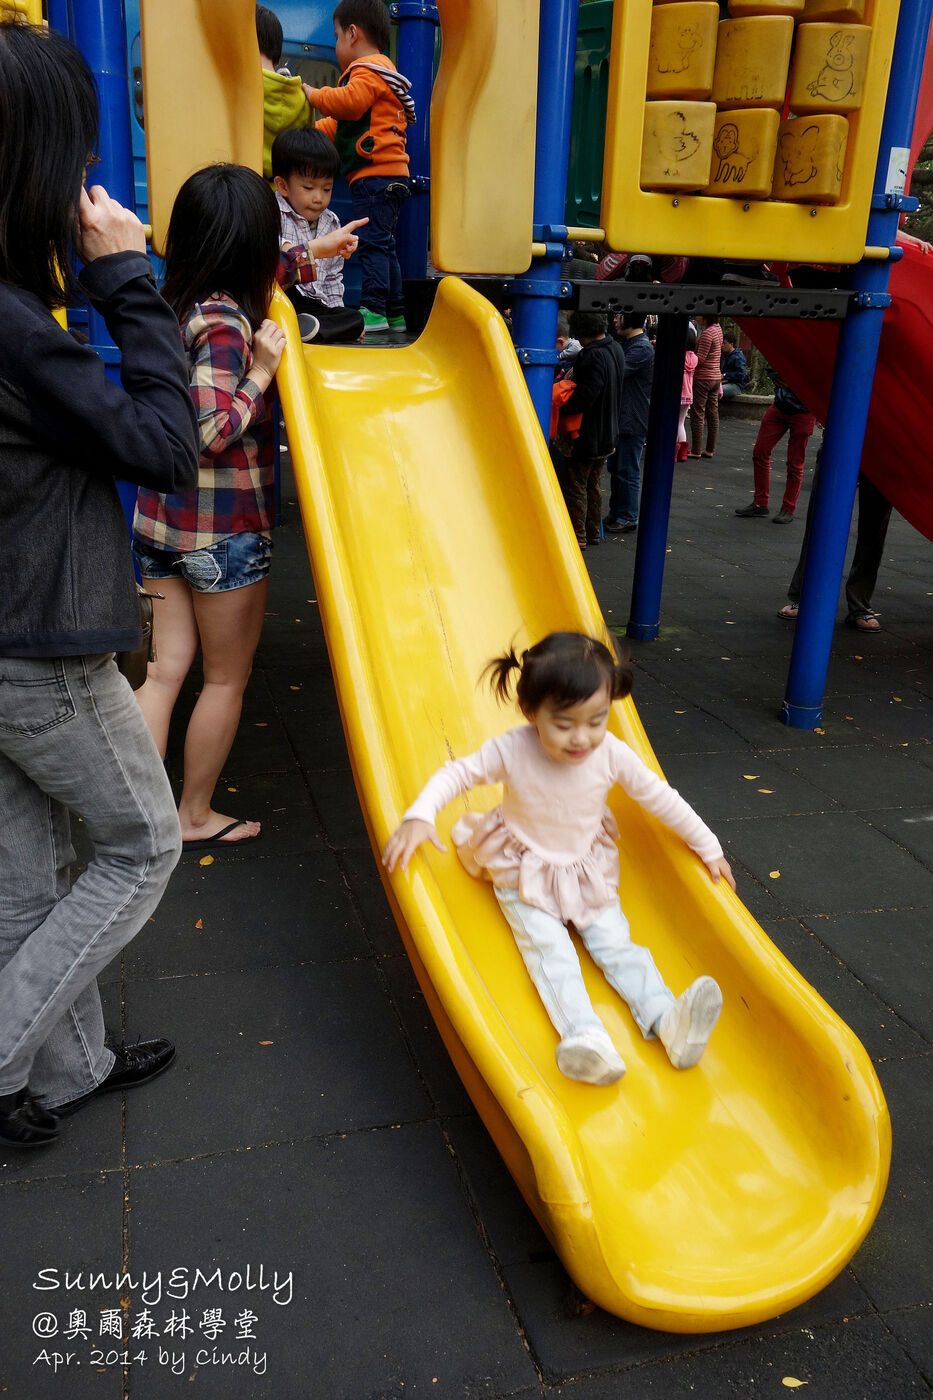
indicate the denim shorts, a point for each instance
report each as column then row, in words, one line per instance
column 230, row 563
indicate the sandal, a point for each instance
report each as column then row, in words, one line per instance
column 203, row 842
column 864, row 622
column 707, row 454
column 789, row 612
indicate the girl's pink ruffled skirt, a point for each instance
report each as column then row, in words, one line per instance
column 574, row 893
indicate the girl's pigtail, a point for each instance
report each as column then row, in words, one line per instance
column 499, row 674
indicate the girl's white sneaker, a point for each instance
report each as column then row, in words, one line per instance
column 591, row 1057
column 687, row 1024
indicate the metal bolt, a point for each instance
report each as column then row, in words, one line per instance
column 813, row 213
column 746, row 207
column 675, row 202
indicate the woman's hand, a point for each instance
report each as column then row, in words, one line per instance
column 720, row 868
column 339, row 244
column 403, row 843
column 268, row 344
column 104, row 226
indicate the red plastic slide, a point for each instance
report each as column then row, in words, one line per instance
column 898, row 453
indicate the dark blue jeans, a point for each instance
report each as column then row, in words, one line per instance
column 379, row 199
column 625, row 478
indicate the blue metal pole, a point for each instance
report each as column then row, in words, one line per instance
column 59, row 16
column 658, row 479
column 417, row 32
column 850, row 397
column 535, row 306
column 98, row 28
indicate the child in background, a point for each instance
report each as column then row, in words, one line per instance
column 550, row 850
column 686, row 393
column 304, row 167
column 208, row 549
column 284, row 103
column 366, row 116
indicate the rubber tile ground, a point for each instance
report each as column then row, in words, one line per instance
column 307, row 1206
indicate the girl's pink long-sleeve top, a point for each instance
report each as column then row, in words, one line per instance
column 552, row 837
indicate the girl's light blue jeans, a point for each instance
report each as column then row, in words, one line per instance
column 551, row 959
column 72, row 739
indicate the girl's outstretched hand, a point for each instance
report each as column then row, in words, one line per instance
column 104, row 226
column 403, row 843
column 268, row 344
column 339, row 244
column 720, row 867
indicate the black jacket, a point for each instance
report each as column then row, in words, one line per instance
column 598, row 372
column 66, row 431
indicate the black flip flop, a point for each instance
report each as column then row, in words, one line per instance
column 217, row 839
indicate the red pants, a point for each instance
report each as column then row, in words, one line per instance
column 774, row 425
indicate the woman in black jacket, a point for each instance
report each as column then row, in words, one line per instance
column 72, row 738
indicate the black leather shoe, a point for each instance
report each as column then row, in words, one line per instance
column 751, row 511
column 133, row 1064
column 24, row 1122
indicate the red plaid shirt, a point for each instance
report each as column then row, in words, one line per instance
column 235, row 493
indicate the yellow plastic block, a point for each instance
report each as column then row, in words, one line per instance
column 830, row 63
column 842, row 11
column 810, row 160
column 678, row 145
column 682, row 54
column 207, row 50
column 744, row 147
column 741, row 9
column 483, row 108
column 752, row 59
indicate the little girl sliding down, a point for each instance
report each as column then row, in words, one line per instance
column 550, row 850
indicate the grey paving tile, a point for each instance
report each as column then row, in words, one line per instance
column 870, row 777
column 913, row 1328
column 565, row 1345
column 893, row 1265
column 236, row 914
column 881, row 1030
column 911, row 828
column 733, row 785
column 513, row 1233
column 441, row 1081
column 829, row 863
column 67, row 1228
column 393, row 1293
column 369, row 896
column 676, row 726
column 853, row 1360
column 889, row 950
column 335, row 797
column 268, row 1055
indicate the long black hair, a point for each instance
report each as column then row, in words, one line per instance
column 223, row 236
column 564, row 667
column 48, row 129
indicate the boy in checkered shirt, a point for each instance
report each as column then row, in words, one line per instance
column 304, row 167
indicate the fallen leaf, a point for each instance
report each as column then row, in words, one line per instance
column 261, row 724
column 819, row 731
column 294, row 687
column 792, row 1382
column 750, row 776
column 774, row 874
column 897, row 698
column 199, row 924
column 206, row 860
column 267, row 1042
column 232, row 789
column 768, row 790
column 680, row 712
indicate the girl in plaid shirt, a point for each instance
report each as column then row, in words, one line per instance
column 207, row 550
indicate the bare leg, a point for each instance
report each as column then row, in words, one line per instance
column 229, row 624
column 176, row 640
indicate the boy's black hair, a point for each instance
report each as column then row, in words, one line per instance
column 308, row 152
column 634, row 320
column 731, row 337
column 223, row 236
column 564, row 667
column 269, row 33
column 369, row 15
column 48, row 129
column 587, row 325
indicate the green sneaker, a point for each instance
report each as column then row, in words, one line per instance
column 397, row 323
column 373, row 320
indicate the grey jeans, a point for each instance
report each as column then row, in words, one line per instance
column 72, row 740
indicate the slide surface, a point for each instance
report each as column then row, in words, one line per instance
column 688, row 1201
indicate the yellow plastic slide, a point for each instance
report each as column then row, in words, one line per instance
column 687, row 1202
